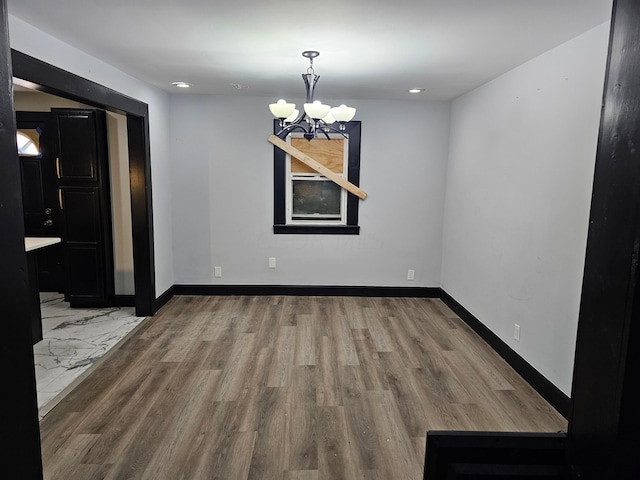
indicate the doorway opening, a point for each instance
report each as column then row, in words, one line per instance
column 69, row 149
column 34, row 74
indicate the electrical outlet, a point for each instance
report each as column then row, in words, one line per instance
column 272, row 262
column 217, row 272
column 516, row 332
column 411, row 274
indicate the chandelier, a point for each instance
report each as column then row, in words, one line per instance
column 317, row 117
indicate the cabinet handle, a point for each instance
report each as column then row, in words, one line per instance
column 60, row 198
column 58, row 167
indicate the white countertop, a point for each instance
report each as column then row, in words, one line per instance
column 33, row 243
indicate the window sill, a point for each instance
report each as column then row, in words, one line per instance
column 317, row 229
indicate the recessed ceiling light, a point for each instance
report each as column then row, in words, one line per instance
column 181, row 84
column 238, row 86
column 416, row 90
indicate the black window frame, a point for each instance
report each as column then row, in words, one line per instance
column 280, row 226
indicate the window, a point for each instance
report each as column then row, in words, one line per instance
column 308, row 202
column 311, row 198
column 28, row 143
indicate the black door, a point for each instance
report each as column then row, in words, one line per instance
column 40, row 194
column 82, row 171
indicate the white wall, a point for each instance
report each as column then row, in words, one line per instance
column 223, row 198
column 520, row 171
column 36, row 43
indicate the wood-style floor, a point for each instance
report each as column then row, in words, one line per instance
column 291, row 388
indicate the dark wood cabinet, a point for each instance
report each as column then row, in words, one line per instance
column 83, row 179
column 66, row 193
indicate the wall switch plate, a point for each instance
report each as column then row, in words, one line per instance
column 516, row 332
column 217, row 272
column 411, row 274
column 272, row 262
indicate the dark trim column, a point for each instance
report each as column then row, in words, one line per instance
column 20, row 454
column 141, row 213
column 604, row 419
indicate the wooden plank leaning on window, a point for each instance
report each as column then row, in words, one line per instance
column 318, row 167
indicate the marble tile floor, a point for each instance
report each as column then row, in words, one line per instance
column 74, row 341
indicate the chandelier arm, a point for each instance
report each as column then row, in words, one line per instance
column 324, row 131
column 290, row 128
column 300, row 118
column 326, row 127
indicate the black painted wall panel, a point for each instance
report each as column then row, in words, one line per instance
column 609, row 311
column 20, row 452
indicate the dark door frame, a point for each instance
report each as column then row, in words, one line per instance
column 38, row 75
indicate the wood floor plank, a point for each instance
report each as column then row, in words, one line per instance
column 369, row 359
column 341, row 337
column 441, row 380
column 229, row 458
column 55, row 430
column 305, row 349
column 291, row 307
column 328, row 392
column 87, row 472
column 379, row 332
column 361, row 433
column 406, row 395
column 278, row 387
column 270, row 454
column 172, row 453
column 235, row 367
column 165, row 406
column 302, row 432
column 395, row 443
column 410, row 350
column 269, row 326
column 334, row 459
column 354, row 314
column 118, row 426
column 301, row 475
column 74, row 449
column 483, row 359
column 282, row 359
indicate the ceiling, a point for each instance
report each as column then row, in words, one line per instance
column 368, row 48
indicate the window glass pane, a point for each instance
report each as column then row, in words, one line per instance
column 27, row 142
column 318, row 199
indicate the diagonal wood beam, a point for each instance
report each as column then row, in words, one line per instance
column 318, row 167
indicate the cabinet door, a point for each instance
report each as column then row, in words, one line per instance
column 78, row 146
column 83, row 171
column 40, row 198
